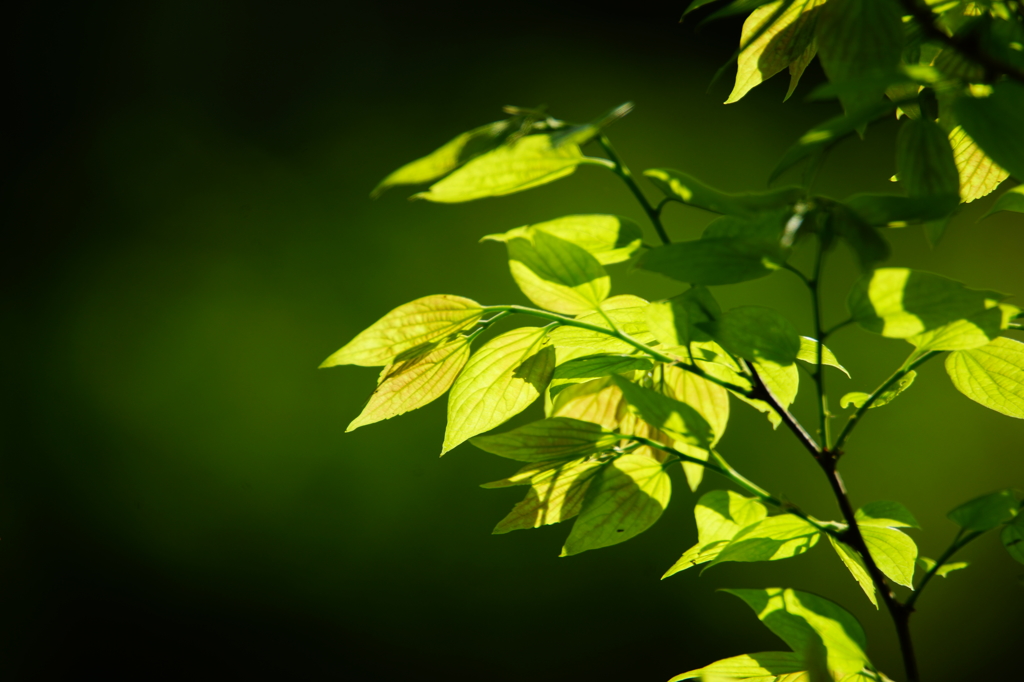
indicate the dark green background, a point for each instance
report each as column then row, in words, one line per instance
column 191, row 235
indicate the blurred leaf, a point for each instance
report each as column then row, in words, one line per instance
column 777, row 46
column 928, row 564
column 675, row 322
column 1013, row 538
column 556, row 274
column 855, row 227
column 807, row 622
column 986, row 512
column 588, row 367
column 763, row 667
column 548, row 439
column 892, row 210
column 556, row 495
column 992, row 375
column 857, row 398
column 697, row 4
column 677, row 419
column 626, row 499
column 758, row 333
column 689, row 190
column 501, row 380
column 720, row 514
column 714, row 261
column 855, row 563
column 979, row 175
column 973, row 332
column 581, row 134
column 408, row 326
column 608, row 238
column 894, row 552
column 771, row 539
column 809, row 353
column 899, row 303
column 888, row 514
column 529, row 162
column 417, row 377
column 859, row 39
column 1011, row 200
column 995, row 124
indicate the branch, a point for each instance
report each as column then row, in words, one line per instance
column 761, row 392
column 623, row 172
column 958, row 543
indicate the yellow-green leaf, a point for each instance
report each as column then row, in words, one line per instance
column 944, row 570
column 554, row 496
column 678, row 420
column 887, row 514
column 548, row 439
column 979, row 175
column 1010, row 200
column 599, row 401
column 608, row 238
column 674, row 322
column 809, row 353
column 995, row 123
column 625, row 313
column 720, row 515
column 858, row 398
column 893, row 551
column 689, row 190
column 766, row 666
column 420, row 322
column 774, row 538
column 972, row 332
column 992, row 375
column 855, row 563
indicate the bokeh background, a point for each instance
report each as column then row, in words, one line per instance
column 191, row 235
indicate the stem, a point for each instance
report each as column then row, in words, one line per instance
column 761, row 392
column 814, row 284
column 623, row 172
column 844, row 435
column 958, row 543
column 834, row 328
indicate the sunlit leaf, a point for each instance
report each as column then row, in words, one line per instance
column 979, row 175
column 709, row 399
column 995, row 123
column 1010, row 200
column 992, row 375
column 857, row 398
column 624, row 500
column 690, row 190
column 529, row 162
column 420, row 322
column 677, row 419
column 714, row 261
column 782, row 380
column 899, row 303
column 626, row 313
column 758, row 333
column 807, row 622
column 855, row 564
column 416, row 378
column 608, row 238
column 674, row 322
column 928, row 564
column 1013, row 538
column 986, row 512
column 774, row 538
column 500, row 380
column 599, row 401
column 894, row 552
column 762, row 667
column 809, row 353
column 589, row 367
column 972, row 332
column 555, row 496
column 548, row 439
column 526, row 475
column 720, row 514
column 887, row 514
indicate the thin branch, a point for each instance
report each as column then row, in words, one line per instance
column 834, row 328
column 958, row 543
column 814, row 284
column 762, row 392
column 623, row 172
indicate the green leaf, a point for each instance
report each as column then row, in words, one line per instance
column 678, row 420
column 892, row 210
column 599, row 401
column 448, row 157
column 762, row 667
column 720, row 514
column 709, row 399
column 608, row 238
column 554, row 496
column 857, row 398
column 782, row 380
column 626, row 499
column 774, row 538
column 526, row 475
column 979, row 175
column 758, row 333
column 557, row 274
column 995, row 124
column 414, row 324
column 581, row 134
column 417, row 377
column 859, row 39
column 925, row 164
column 992, row 375
column 674, row 322
column 855, row 563
column 529, row 162
column 548, row 439
column 501, row 380
column 786, row 40
column 886, row 514
column 588, row 367
column 808, row 623
column 857, row 231
column 689, row 190
column 986, row 512
column 899, row 303
column 626, row 313
column 1010, row 200
column 894, row 552
column 714, row 261
column 973, row 332
column 809, row 353
column 1013, row 538
column 928, row 564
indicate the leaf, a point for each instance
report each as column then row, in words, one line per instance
column 855, row 563
column 417, row 377
column 892, row 210
column 857, row 398
column 526, row 475
column 808, row 623
column 973, row 332
column 709, row 399
column 599, row 401
column 858, row 232
column 782, row 380
column 809, row 353
column 778, row 46
column 626, row 313
column 774, row 538
column 555, row 496
column 979, row 175
column 992, row 375
column 674, row 322
column 714, row 261
column 689, row 190
column 859, row 39
column 529, row 162
column 928, row 564
column 1013, row 538
column 1010, row 200
column 761, row 667
column 720, row 514
column 626, row 499
column 556, row 274
column 414, row 324
column 995, row 124
column 894, row 552
column 588, row 367
column 925, row 164
column 678, row 420
column 886, row 514
column 758, row 333
column 899, row 303
column 986, row 512
column 548, row 439
column 501, row 380
column 608, row 238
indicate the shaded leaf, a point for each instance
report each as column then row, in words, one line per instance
column 1010, row 200
column 979, row 175
column 855, row 563
column 555, row 496
column 548, row 439
column 689, row 190
column 761, row 666
column 1013, row 539
column 588, row 367
column 925, row 164
column 995, row 124
column 928, row 564
column 857, row 398
column 709, row 399
column 677, row 419
column 420, row 322
column 887, row 514
column 809, row 353
column 986, row 512
column 675, row 322
column 608, row 238
column 992, row 375
column 758, row 333
column 857, row 230
column 892, row 210
column 894, row 552
column 714, row 261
